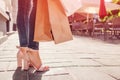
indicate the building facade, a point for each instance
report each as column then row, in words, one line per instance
column 8, row 12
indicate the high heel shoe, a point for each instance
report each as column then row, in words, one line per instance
column 19, row 59
column 35, row 61
column 22, row 58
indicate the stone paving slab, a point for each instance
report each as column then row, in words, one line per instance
column 4, row 66
column 6, row 75
column 108, row 56
column 59, row 77
column 73, row 55
column 12, row 65
column 108, row 62
column 88, row 74
column 112, row 71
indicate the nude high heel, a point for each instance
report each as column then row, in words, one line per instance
column 22, row 58
column 36, row 61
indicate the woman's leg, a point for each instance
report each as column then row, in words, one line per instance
column 23, row 27
column 34, row 46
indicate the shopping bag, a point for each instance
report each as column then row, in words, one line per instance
column 59, row 22
column 42, row 23
column 51, row 22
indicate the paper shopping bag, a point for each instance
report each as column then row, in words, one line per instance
column 51, row 19
column 59, row 22
column 42, row 23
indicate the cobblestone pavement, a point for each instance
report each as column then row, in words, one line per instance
column 80, row 59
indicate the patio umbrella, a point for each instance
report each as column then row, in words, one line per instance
column 87, row 6
column 102, row 9
column 92, row 7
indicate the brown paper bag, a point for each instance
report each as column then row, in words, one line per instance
column 52, row 18
column 59, row 22
column 42, row 23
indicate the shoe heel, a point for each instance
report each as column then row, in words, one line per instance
column 19, row 59
column 25, row 64
column 24, row 60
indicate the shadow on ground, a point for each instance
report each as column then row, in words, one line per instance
column 26, row 75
